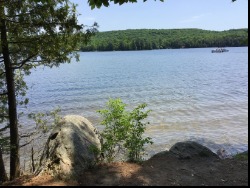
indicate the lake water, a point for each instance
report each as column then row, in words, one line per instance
column 193, row 94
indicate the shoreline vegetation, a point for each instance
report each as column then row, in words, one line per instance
column 183, row 166
column 152, row 39
column 68, row 158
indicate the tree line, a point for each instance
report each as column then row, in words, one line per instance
column 150, row 39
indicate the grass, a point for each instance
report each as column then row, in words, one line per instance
column 241, row 156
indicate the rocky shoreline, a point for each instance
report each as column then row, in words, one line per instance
column 67, row 160
column 186, row 164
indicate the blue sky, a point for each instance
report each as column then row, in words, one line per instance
column 215, row 15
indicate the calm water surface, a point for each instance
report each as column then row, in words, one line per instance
column 193, row 94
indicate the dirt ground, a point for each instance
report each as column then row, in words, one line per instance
column 163, row 169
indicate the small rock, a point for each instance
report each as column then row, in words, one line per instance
column 222, row 153
column 189, row 149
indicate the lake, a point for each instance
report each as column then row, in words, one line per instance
column 193, row 94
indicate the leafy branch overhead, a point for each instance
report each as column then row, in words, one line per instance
column 99, row 3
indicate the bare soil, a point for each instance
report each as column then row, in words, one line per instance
column 163, row 169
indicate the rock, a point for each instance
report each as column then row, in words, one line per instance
column 189, row 149
column 223, row 154
column 69, row 148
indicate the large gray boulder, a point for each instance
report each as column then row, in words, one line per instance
column 189, row 149
column 69, row 148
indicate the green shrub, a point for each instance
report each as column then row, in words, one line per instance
column 123, row 130
column 134, row 141
column 242, row 156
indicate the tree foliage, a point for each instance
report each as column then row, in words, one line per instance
column 33, row 33
column 149, row 39
column 99, row 3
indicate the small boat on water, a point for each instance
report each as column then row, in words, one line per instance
column 220, row 50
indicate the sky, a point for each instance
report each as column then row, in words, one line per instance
column 217, row 15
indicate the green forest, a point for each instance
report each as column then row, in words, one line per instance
column 150, row 39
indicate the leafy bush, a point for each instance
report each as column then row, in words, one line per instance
column 134, row 141
column 123, row 130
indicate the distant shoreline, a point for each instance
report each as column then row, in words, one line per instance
column 166, row 49
column 152, row 39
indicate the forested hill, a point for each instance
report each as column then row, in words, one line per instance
column 149, row 39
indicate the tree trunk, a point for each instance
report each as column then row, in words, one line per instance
column 3, row 175
column 14, row 137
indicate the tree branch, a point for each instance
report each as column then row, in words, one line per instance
column 2, row 73
column 23, row 62
column 4, row 128
column 27, row 143
column 18, row 15
column 19, row 42
column 27, row 135
column 34, row 24
column 5, row 93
